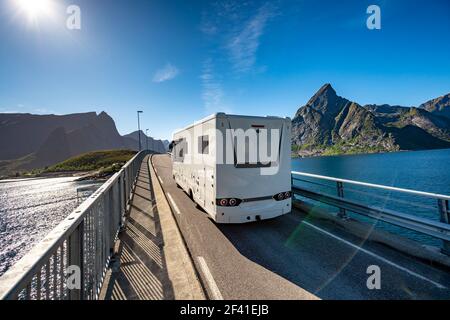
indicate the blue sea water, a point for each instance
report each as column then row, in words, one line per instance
column 30, row 209
column 427, row 171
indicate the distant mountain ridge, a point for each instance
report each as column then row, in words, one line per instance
column 156, row 145
column 439, row 106
column 330, row 124
column 35, row 141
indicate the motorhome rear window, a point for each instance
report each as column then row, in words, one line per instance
column 251, row 156
column 253, row 165
column 180, row 148
column 203, row 144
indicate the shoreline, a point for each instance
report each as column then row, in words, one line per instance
column 78, row 175
column 317, row 155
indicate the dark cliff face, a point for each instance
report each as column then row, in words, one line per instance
column 153, row 144
column 36, row 141
column 332, row 124
column 22, row 134
column 313, row 123
column 439, row 106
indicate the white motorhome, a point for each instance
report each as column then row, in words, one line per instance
column 237, row 168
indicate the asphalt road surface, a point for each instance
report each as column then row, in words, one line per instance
column 289, row 256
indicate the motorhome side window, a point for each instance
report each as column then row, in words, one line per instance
column 180, row 150
column 203, row 144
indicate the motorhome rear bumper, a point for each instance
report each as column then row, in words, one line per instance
column 254, row 211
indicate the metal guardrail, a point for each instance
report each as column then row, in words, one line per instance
column 84, row 240
column 85, row 192
column 440, row 230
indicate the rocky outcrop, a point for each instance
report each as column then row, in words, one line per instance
column 439, row 106
column 153, row 144
column 330, row 124
column 23, row 133
column 36, row 141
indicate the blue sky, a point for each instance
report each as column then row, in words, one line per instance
column 182, row 60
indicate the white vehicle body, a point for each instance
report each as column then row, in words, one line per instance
column 201, row 168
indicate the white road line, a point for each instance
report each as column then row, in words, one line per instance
column 209, row 278
column 174, row 205
column 376, row 256
column 160, row 180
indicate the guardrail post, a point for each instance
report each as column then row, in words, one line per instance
column 445, row 218
column 76, row 259
column 340, row 192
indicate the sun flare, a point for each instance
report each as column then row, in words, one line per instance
column 35, row 8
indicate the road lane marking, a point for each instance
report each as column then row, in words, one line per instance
column 376, row 256
column 174, row 205
column 160, row 180
column 216, row 295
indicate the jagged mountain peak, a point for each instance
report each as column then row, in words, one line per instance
column 104, row 116
column 325, row 91
column 330, row 123
column 327, row 88
column 326, row 101
column 440, row 106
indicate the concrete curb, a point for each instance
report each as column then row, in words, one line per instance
column 180, row 267
column 365, row 231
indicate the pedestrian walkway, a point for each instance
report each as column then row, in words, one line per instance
column 140, row 271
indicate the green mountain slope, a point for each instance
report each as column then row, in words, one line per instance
column 330, row 124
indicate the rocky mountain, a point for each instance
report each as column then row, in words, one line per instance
column 330, row 124
column 166, row 144
column 439, row 106
column 156, row 145
column 35, row 141
column 22, row 134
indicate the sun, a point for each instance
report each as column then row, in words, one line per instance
column 35, row 8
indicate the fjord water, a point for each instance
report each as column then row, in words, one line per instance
column 427, row 171
column 30, row 209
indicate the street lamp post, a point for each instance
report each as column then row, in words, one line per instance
column 139, row 129
column 146, row 137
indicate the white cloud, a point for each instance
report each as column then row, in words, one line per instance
column 235, row 28
column 168, row 72
column 244, row 45
column 5, row 110
column 42, row 111
column 212, row 94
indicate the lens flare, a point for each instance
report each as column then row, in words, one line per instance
column 35, row 9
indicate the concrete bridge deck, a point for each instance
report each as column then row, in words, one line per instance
column 151, row 260
column 296, row 256
column 172, row 250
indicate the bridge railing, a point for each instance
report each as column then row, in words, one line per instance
column 437, row 229
column 71, row 261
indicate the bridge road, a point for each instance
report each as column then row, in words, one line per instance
column 283, row 257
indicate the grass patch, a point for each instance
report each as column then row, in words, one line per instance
column 107, row 161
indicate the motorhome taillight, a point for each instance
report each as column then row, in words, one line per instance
column 228, row 202
column 282, row 196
